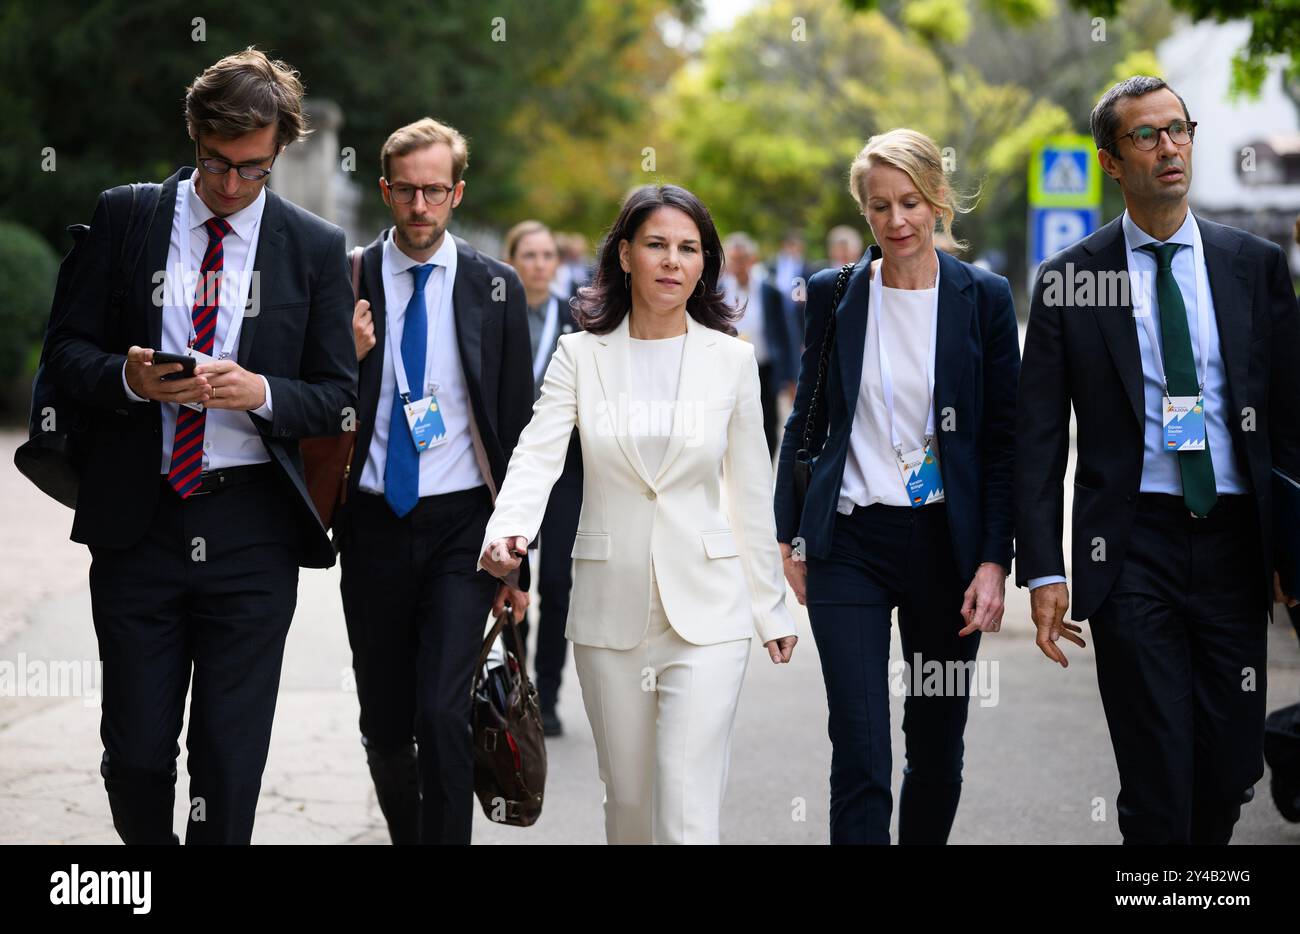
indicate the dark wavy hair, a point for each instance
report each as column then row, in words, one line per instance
column 602, row 306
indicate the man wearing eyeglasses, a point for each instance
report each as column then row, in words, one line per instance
column 192, row 500
column 1184, row 383
column 446, row 386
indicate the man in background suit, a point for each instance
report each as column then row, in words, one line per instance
column 1173, row 547
column 197, row 520
column 531, row 249
column 447, row 329
column 790, row 274
column 763, row 324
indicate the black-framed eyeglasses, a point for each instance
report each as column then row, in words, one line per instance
column 215, row 165
column 1146, row 138
column 434, row 195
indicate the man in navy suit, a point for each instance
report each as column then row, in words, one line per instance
column 197, row 519
column 1160, row 313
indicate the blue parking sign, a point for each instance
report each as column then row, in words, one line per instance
column 1054, row 229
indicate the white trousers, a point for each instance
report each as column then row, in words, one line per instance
column 662, row 715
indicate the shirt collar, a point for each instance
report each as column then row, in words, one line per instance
column 397, row 262
column 1137, row 237
column 242, row 223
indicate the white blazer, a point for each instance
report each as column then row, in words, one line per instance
column 718, row 571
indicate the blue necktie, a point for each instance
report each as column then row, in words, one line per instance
column 402, row 468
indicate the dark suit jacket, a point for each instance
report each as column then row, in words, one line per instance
column 793, row 311
column 977, row 358
column 1089, row 356
column 300, row 340
column 776, row 331
column 492, row 337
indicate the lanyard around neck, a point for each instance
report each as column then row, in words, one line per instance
column 886, row 371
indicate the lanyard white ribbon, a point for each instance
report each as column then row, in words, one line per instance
column 395, row 352
column 1143, row 313
column 887, row 373
column 246, row 280
column 549, row 328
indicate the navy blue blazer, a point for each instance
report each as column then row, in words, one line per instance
column 784, row 354
column 977, row 366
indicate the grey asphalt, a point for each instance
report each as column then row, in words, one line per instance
column 1038, row 762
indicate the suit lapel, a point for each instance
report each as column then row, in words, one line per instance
column 371, row 369
column 692, row 386
column 160, row 237
column 951, row 353
column 469, row 308
column 613, row 358
column 1116, row 322
column 270, row 247
column 851, row 327
column 1232, row 290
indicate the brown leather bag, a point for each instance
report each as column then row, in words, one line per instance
column 327, row 459
column 509, row 746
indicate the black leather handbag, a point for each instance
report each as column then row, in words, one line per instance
column 509, row 747
column 804, row 458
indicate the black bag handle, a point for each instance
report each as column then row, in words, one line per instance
column 828, row 341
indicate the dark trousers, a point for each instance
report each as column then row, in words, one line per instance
column 555, row 576
column 883, row 557
column 210, row 588
column 1181, row 660
column 767, row 399
column 415, row 608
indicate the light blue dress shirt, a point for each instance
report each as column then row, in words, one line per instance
column 1160, row 472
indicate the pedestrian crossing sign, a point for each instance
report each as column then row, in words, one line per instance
column 1064, row 173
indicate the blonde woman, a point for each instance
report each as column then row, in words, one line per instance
column 669, row 582
column 909, row 504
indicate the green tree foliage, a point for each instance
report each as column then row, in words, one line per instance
column 99, row 86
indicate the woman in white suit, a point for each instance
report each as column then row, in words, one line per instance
column 669, row 581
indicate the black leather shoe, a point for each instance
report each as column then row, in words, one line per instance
column 551, row 723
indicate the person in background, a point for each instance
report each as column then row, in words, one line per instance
column 790, row 274
column 574, row 269
column 531, row 249
column 843, row 246
column 761, row 322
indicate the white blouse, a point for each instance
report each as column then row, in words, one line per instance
column 871, row 468
column 656, row 368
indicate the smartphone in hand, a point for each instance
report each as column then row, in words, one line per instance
column 184, row 360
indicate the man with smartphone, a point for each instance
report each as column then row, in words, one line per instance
column 193, row 501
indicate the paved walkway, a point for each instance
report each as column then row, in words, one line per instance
column 1037, row 762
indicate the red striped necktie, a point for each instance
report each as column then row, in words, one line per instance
column 187, row 444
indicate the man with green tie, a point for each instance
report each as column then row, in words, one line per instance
column 1185, row 384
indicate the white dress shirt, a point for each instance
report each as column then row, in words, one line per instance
column 229, row 436
column 446, row 467
column 871, row 472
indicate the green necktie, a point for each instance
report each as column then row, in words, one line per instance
column 1180, row 371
